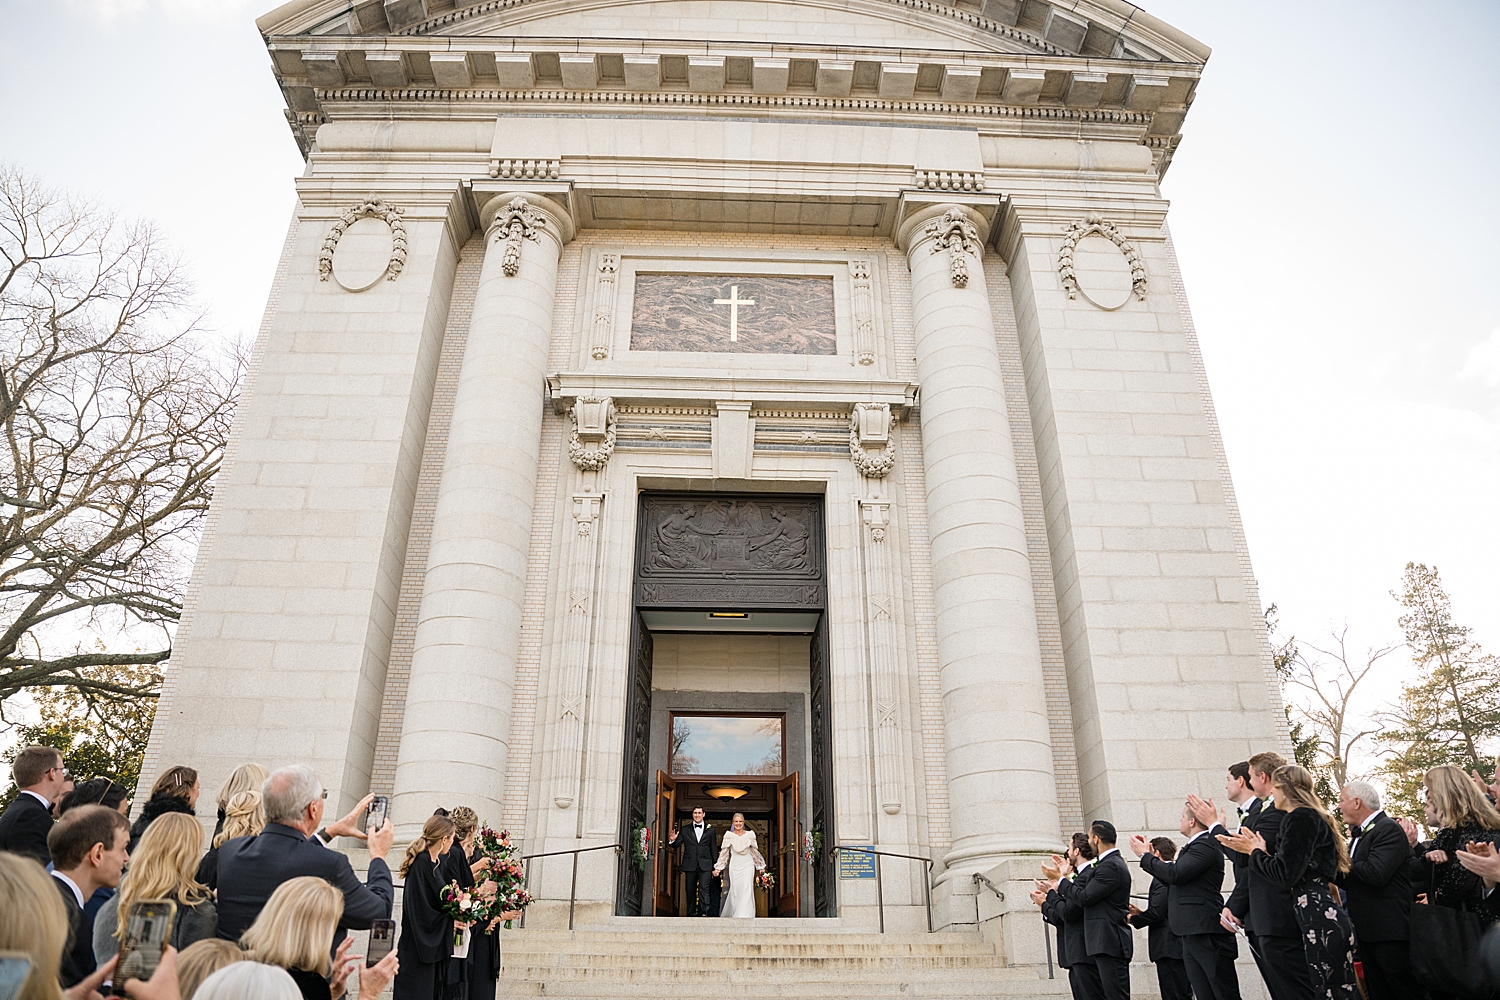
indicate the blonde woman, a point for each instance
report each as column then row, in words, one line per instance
column 244, row 815
column 176, row 791
column 33, row 922
column 161, row 868
column 1462, row 816
column 245, row 778
column 201, row 960
column 742, row 860
column 1310, row 853
column 293, row 932
column 426, row 939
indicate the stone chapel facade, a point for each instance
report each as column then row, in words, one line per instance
column 822, row 362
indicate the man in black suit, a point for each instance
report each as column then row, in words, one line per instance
column 250, row 868
column 1083, row 974
column 1105, row 898
column 1195, row 882
column 88, row 848
column 1163, row 945
column 1378, row 894
column 39, row 774
column 1259, row 902
column 700, row 852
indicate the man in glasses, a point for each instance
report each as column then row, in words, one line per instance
column 250, row 868
column 39, row 773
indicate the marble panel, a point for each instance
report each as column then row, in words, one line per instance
column 752, row 314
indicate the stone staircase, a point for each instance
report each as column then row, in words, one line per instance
column 707, row 959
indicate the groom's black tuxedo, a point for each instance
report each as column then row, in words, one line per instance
column 699, row 854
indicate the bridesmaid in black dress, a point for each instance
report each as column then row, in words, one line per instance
column 472, row 977
column 1309, row 853
column 426, row 939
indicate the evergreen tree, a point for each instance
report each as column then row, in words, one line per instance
column 1451, row 713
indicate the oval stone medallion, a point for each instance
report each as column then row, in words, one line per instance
column 363, row 254
column 1102, row 272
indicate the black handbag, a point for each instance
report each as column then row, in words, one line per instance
column 1445, row 948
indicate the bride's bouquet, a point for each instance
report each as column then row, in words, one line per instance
column 765, row 880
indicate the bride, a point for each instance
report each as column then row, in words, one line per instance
column 743, row 861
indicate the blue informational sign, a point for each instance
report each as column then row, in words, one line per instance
column 854, row 863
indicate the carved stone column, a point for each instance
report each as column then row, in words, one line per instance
column 999, row 752
column 456, row 731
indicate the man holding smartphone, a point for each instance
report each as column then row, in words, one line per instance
column 250, row 868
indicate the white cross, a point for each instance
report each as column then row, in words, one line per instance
column 734, row 302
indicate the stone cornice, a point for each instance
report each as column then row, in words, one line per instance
column 707, row 389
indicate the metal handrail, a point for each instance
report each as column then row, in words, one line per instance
column 573, row 890
column 880, row 889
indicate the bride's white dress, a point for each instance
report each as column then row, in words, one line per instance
column 740, row 860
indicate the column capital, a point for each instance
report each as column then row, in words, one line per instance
column 552, row 201
column 916, row 209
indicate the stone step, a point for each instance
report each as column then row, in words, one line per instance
column 769, row 949
column 689, row 972
column 720, row 988
column 610, row 964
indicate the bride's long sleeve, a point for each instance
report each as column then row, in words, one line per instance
column 723, row 861
column 760, row 862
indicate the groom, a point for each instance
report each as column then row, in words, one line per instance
column 700, row 851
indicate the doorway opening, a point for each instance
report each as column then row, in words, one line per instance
column 728, row 705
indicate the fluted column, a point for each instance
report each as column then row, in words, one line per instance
column 1000, row 780
column 456, row 732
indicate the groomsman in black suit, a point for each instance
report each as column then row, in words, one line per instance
column 1259, row 902
column 1105, row 898
column 1195, row 882
column 1165, row 947
column 39, row 774
column 700, row 852
column 1378, row 894
column 1083, row 974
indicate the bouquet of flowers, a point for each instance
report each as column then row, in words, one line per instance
column 506, row 873
column 465, row 906
column 765, row 880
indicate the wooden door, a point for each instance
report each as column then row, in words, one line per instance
column 664, row 872
column 788, row 863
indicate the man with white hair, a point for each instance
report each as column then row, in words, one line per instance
column 1378, row 894
column 250, row 868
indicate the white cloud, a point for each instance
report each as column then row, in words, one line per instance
column 1483, row 362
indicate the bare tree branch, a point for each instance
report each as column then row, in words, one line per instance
column 1328, row 681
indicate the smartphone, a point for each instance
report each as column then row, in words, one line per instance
column 147, row 934
column 380, row 808
column 382, row 940
column 15, row 968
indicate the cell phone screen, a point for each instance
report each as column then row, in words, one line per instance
column 382, row 940
column 148, row 931
column 380, row 808
column 14, row 969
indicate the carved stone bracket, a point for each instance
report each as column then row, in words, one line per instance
column 371, row 206
column 960, row 237
column 604, row 305
column 1095, row 225
column 594, row 424
column 950, row 180
column 516, row 222
column 870, row 424
column 546, row 170
column 864, row 312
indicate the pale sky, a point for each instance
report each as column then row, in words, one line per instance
column 1334, row 206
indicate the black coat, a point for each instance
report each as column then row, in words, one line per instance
column 78, row 957
column 1305, row 852
column 1105, row 898
column 1161, row 942
column 24, row 828
column 1196, row 883
column 250, row 869
column 1377, row 891
column 697, row 856
column 1266, row 903
column 1067, row 917
column 159, row 805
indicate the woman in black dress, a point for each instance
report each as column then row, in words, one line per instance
column 472, row 977
column 1461, row 815
column 426, row 939
column 1310, row 851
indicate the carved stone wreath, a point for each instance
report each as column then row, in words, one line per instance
column 516, row 222
column 956, row 234
column 581, row 456
column 1095, row 225
column 371, row 206
column 875, row 466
